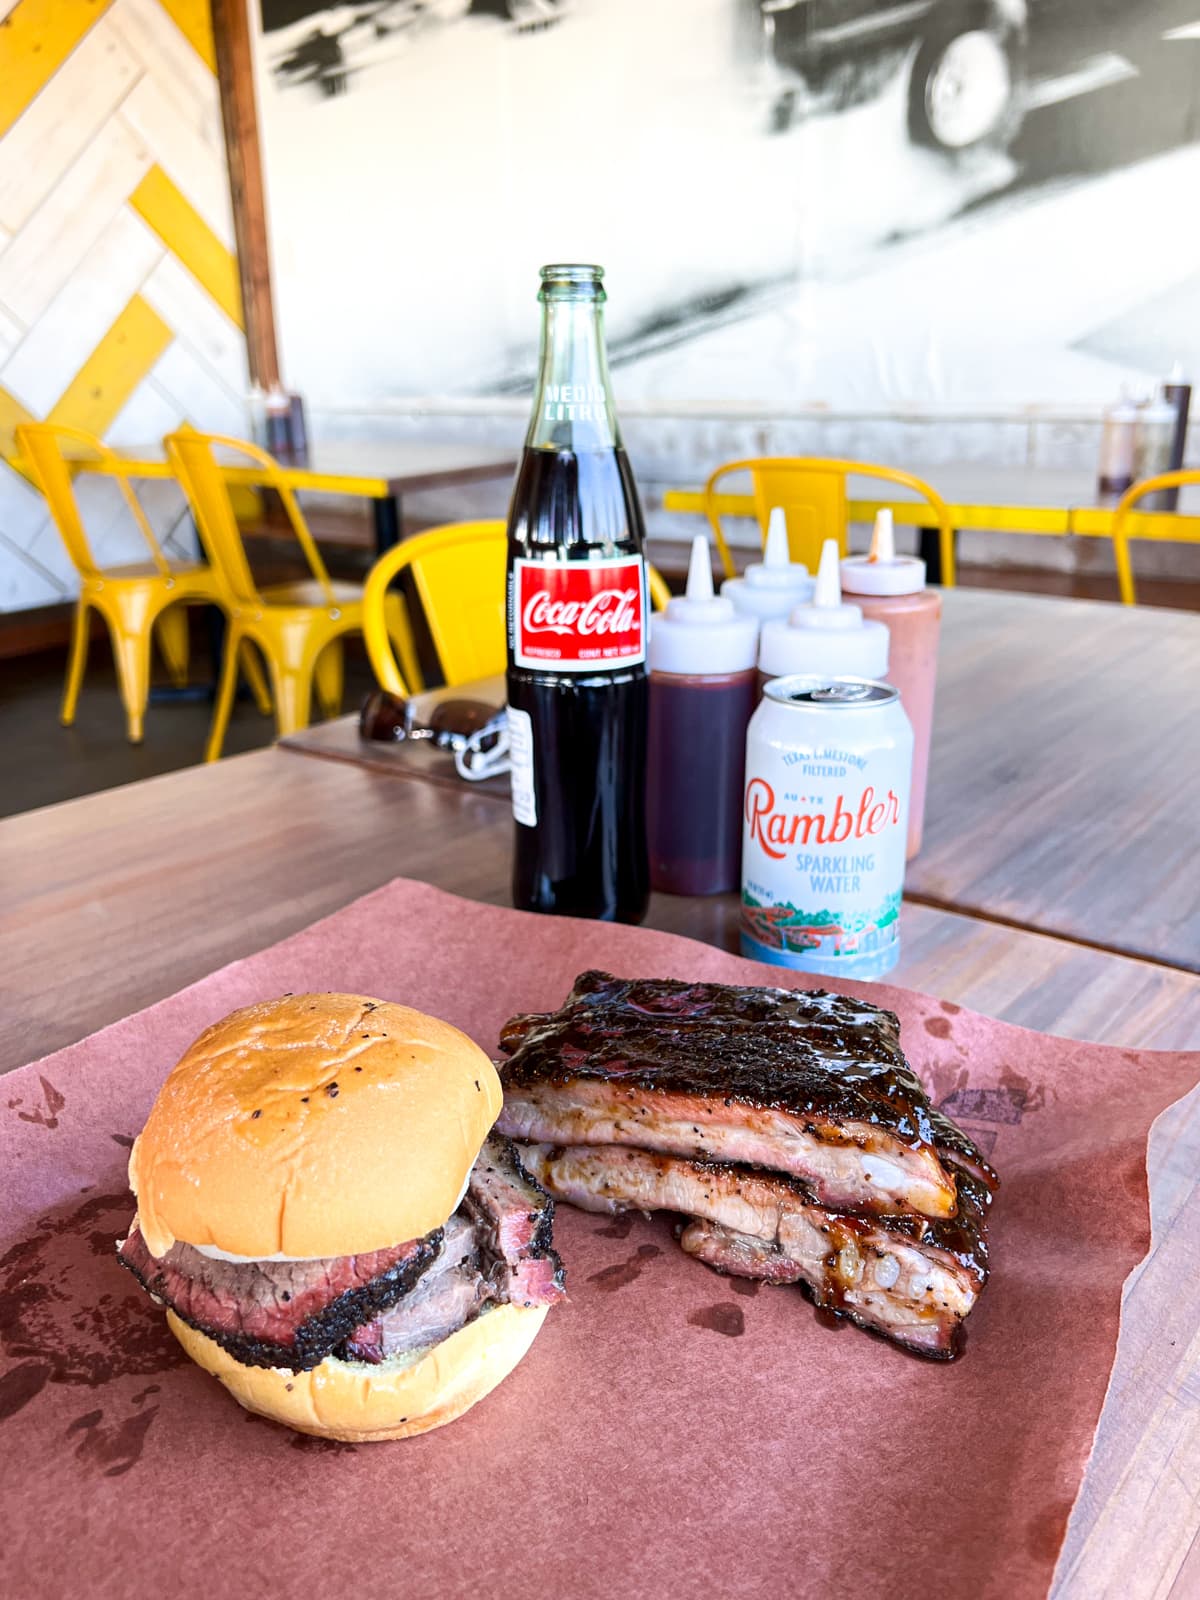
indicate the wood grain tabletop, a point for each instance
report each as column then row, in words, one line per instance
column 112, row 902
column 1064, row 786
column 1064, row 783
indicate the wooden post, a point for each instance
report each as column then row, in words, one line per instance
column 239, row 111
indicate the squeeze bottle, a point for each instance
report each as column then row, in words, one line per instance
column 702, row 694
column 1153, row 443
column 1117, row 441
column 891, row 589
column 829, row 637
column 770, row 587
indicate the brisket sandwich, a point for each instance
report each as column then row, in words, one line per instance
column 334, row 1229
column 786, row 1128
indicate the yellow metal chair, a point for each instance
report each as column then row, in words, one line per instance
column 812, row 492
column 297, row 626
column 1120, row 526
column 459, row 574
column 136, row 601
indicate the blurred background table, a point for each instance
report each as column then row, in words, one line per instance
column 380, row 471
column 1051, row 501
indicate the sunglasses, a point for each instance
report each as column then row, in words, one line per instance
column 474, row 732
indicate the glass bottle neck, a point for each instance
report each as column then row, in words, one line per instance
column 573, row 407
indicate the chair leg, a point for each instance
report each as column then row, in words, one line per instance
column 171, row 632
column 291, row 686
column 946, row 546
column 131, row 651
column 1124, row 570
column 253, row 673
column 395, row 615
column 77, row 663
column 328, row 676
column 226, row 690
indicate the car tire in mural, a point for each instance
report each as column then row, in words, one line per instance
column 967, row 80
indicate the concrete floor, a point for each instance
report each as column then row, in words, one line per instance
column 44, row 762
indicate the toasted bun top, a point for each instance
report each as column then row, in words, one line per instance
column 314, row 1125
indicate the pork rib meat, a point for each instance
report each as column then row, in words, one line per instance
column 910, row 1278
column 814, row 1085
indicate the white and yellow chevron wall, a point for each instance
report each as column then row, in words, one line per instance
column 119, row 303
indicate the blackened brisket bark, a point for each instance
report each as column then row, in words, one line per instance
column 278, row 1313
column 514, row 1219
column 811, row 1084
column 495, row 1249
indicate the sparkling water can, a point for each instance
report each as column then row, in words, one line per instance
column 824, row 824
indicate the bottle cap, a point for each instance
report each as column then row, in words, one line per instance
column 772, row 586
column 701, row 634
column 828, row 635
column 883, row 572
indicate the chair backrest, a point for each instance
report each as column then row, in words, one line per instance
column 812, row 493
column 204, row 481
column 48, row 452
column 1178, row 479
column 459, row 574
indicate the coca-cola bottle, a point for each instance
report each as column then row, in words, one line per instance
column 577, row 688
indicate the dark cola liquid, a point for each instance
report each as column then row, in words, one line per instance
column 586, row 857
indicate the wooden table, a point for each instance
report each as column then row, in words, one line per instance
column 379, row 472
column 1064, row 790
column 119, row 899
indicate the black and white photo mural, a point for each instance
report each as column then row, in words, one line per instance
column 842, row 203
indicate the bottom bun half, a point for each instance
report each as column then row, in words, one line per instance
column 358, row 1402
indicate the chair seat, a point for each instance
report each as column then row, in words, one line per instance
column 187, row 576
column 308, row 592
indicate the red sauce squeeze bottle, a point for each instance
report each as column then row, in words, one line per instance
column 703, row 689
column 891, row 589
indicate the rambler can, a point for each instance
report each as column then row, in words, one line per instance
column 825, row 820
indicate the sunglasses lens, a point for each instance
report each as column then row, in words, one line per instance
column 459, row 717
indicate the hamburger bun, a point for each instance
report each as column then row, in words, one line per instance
column 357, row 1403
column 313, row 1125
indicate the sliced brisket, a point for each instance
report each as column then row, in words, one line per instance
column 811, row 1084
column 279, row 1313
column 496, row 1248
column 448, row 1295
column 514, row 1220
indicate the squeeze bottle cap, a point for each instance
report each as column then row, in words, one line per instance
column 883, row 572
column 827, row 636
column 827, row 610
column 770, row 587
column 776, row 570
column 701, row 634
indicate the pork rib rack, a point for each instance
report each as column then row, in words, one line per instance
column 787, row 1126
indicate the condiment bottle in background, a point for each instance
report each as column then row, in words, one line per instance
column 773, row 586
column 828, row 636
column 703, row 690
column 1154, row 440
column 1177, row 392
column 891, row 589
column 1117, row 442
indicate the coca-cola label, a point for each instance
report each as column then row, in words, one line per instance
column 573, row 616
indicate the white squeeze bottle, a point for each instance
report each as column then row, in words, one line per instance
column 773, row 586
column 828, row 637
